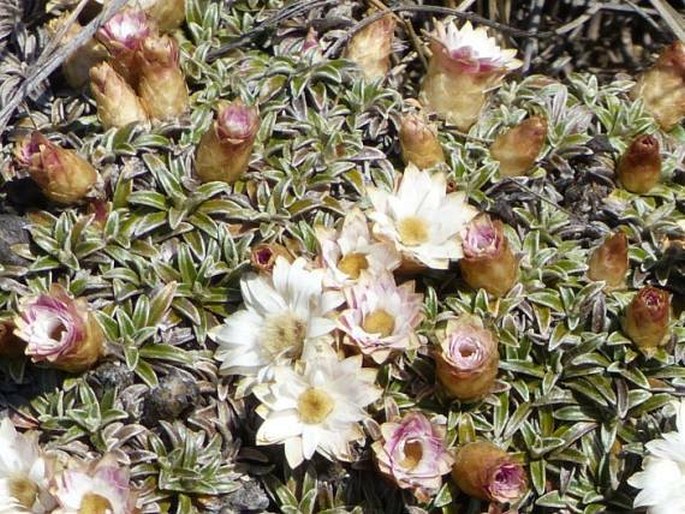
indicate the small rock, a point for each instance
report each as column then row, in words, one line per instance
column 12, row 232
column 176, row 394
column 251, row 497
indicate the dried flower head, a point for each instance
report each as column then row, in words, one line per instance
column 60, row 330
column 419, row 143
column 639, row 169
column 123, row 36
column 370, row 48
column 609, row 261
column 116, row 101
column 62, row 175
column 413, row 455
column 517, row 148
column 647, row 318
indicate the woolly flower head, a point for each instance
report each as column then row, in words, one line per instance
column 662, row 480
column 318, row 410
column 472, row 50
column 421, row 219
column 282, row 313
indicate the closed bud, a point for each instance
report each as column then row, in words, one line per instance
column 464, row 64
column 662, row 87
column 370, row 48
column 62, row 175
column 225, row 149
column 486, row 472
column 59, row 330
column 609, row 261
column 123, row 35
column 647, row 318
column 77, row 65
column 419, row 142
column 488, row 261
column 167, row 14
column 639, row 169
column 466, row 364
column 162, row 85
column 517, row 148
column 116, row 101
column 264, row 255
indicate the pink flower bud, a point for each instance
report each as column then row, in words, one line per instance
column 117, row 103
column 412, row 454
column 225, row 149
column 370, row 48
column 488, row 261
column 466, row 364
column 123, row 35
column 60, row 330
column 162, row 85
column 639, row 169
column 62, row 175
column 609, row 261
column 486, row 472
column 419, row 143
column 517, row 148
column 264, row 255
column 647, row 318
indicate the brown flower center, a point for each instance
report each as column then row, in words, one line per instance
column 314, row 406
column 94, row 504
column 57, row 331
column 353, row 264
column 413, row 453
column 23, row 490
column 413, row 231
column 379, row 322
column 284, row 334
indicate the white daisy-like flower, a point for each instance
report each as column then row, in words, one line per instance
column 318, row 410
column 351, row 252
column 101, row 488
column 421, row 219
column 662, row 480
column 281, row 314
column 382, row 316
column 473, row 50
column 24, row 473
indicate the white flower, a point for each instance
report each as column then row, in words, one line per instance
column 23, row 473
column 282, row 313
column 421, row 219
column 473, row 50
column 318, row 410
column 663, row 477
column 102, row 488
column 351, row 252
column 382, row 316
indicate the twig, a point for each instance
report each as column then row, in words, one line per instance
column 672, row 18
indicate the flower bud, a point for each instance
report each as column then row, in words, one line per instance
column 639, row 169
column 662, row 87
column 62, row 175
column 486, row 472
column 419, row 142
column 60, row 330
column 264, row 255
column 517, row 149
column 464, row 65
column 370, row 48
column 117, row 103
column 609, row 261
column 123, row 35
column 488, row 261
column 647, row 318
column 412, row 454
column 167, row 14
column 225, row 149
column 466, row 364
column 162, row 85
column 77, row 65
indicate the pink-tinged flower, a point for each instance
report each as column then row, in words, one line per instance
column 352, row 252
column 639, row 169
column 99, row 488
column 465, row 63
column 123, row 36
column 647, row 318
column 62, row 175
column 60, row 330
column 412, row 454
column 117, row 103
column 488, row 261
column 264, row 255
column 382, row 316
column 225, row 149
column 466, row 364
column 486, row 472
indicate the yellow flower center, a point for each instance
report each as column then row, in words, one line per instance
column 284, row 334
column 413, row 453
column 94, row 504
column 379, row 322
column 314, row 406
column 23, row 490
column 353, row 264
column 413, row 231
